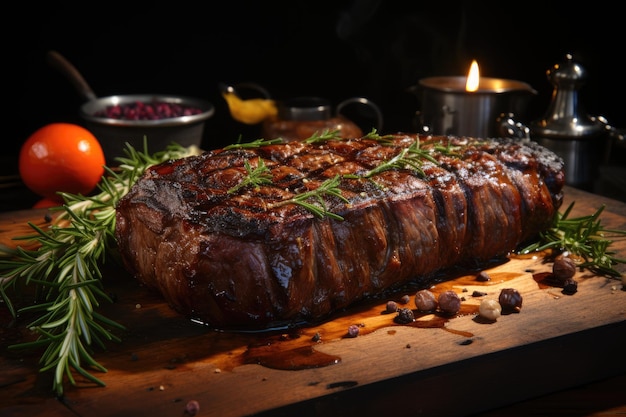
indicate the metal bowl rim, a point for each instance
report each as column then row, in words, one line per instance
column 88, row 109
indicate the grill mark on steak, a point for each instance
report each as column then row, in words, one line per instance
column 237, row 260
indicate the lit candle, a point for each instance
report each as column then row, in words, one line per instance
column 469, row 105
column 473, row 77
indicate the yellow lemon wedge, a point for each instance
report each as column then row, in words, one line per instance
column 249, row 111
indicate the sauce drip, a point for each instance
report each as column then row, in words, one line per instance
column 153, row 322
column 546, row 280
column 295, row 349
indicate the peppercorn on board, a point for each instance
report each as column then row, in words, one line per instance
column 435, row 366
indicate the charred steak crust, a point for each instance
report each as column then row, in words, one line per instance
column 239, row 260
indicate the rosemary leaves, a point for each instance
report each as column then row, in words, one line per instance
column 64, row 268
column 584, row 237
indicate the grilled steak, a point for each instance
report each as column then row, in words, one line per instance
column 237, row 253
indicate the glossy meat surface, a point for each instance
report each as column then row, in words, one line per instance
column 248, row 257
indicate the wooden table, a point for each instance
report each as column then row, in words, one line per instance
column 561, row 355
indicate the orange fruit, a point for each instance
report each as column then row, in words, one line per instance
column 61, row 157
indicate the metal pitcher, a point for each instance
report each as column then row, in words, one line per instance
column 302, row 117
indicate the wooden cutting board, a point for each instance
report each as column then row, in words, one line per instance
column 436, row 366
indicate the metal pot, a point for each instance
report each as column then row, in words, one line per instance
column 115, row 134
column 447, row 109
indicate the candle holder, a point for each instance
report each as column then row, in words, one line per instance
column 448, row 109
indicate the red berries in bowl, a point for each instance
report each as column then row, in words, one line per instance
column 157, row 120
column 152, row 110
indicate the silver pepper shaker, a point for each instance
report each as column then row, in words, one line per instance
column 566, row 129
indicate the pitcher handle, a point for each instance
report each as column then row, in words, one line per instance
column 248, row 88
column 378, row 115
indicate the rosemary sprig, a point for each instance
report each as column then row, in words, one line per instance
column 328, row 187
column 63, row 264
column 254, row 144
column 584, row 237
column 255, row 177
column 411, row 157
column 324, row 135
column 449, row 149
column 336, row 135
column 374, row 135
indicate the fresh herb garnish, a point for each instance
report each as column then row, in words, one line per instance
column 254, row 144
column 327, row 134
column 255, row 176
column 62, row 264
column 449, row 149
column 328, row 187
column 584, row 237
column 374, row 135
column 324, row 135
column 408, row 158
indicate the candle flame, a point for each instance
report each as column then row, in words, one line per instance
column 473, row 77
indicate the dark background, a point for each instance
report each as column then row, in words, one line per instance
column 335, row 49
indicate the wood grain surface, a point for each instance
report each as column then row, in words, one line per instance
column 439, row 367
